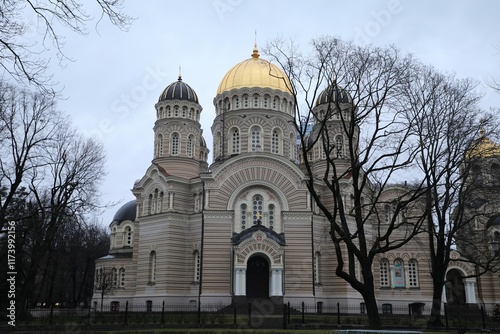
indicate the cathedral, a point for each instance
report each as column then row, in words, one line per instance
column 245, row 226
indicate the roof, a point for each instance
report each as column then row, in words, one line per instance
column 247, row 233
column 126, row 212
column 255, row 72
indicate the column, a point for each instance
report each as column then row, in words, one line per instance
column 240, row 282
column 470, row 290
column 276, row 282
column 170, row 200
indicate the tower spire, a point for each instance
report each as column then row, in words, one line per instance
column 180, row 74
column 255, row 53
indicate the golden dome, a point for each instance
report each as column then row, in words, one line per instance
column 255, row 72
column 483, row 148
column 486, row 148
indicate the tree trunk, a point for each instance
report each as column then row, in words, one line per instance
column 435, row 317
column 372, row 310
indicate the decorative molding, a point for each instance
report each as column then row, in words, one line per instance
column 259, row 243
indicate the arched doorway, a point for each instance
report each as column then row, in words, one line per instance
column 455, row 289
column 257, row 278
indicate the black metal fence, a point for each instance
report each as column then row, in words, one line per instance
column 258, row 314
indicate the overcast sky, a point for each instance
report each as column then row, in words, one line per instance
column 117, row 76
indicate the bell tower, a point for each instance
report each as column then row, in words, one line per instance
column 179, row 147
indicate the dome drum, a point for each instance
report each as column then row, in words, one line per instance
column 254, row 98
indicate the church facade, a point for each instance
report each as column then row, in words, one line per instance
column 244, row 227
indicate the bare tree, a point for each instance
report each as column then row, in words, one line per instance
column 28, row 123
column 358, row 151
column 447, row 119
column 22, row 56
column 104, row 282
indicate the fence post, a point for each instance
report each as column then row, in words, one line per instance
column 126, row 312
column 163, row 313
column 409, row 315
column 51, row 315
column 303, row 311
column 446, row 316
column 249, row 314
column 288, row 313
column 483, row 317
column 338, row 313
column 285, row 312
column 234, row 313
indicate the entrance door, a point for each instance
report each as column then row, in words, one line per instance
column 257, row 282
column 455, row 290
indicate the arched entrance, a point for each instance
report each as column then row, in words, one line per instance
column 455, row 289
column 257, row 277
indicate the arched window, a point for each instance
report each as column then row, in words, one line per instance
column 495, row 244
column 218, row 144
column 292, row 148
column 412, row 273
column 257, row 209
column 316, row 265
column 190, row 115
column 271, row 213
column 159, row 145
column 122, row 277
column 175, row 143
column 189, row 147
column 243, row 213
column 152, row 267
column 169, row 112
column 114, row 272
column 256, row 101
column 245, row 101
column 266, row 101
column 495, row 175
column 477, row 175
column 235, row 141
column 275, row 142
column 276, row 103
column 127, row 235
column 151, row 204
column 176, row 111
column 236, row 102
column 387, row 214
column 384, row 273
column 184, row 112
column 339, row 144
column 399, row 274
column 255, row 139
column 197, row 265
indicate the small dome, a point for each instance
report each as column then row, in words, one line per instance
column 483, row 148
column 203, row 143
column 333, row 94
column 493, row 221
column 255, row 72
column 178, row 90
column 126, row 212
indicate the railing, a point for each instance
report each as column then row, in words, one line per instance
column 259, row 314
